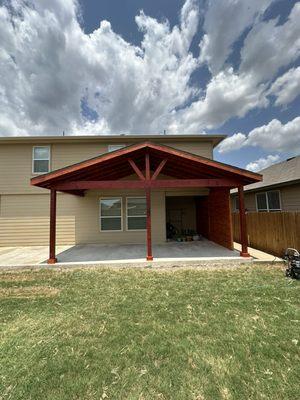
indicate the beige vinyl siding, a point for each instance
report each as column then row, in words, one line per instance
column 203, row 149
column 64, row 154
column 16, row 163
column 290, row 197
column 34, row 231
column 24, row 219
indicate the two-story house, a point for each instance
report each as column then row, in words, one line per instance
column 116, row 189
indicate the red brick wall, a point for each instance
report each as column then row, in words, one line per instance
column 220, row 227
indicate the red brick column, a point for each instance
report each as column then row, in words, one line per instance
column 220, row 226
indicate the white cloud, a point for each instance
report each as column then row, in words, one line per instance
column 274, row 136
column 262, row 163
column 234, row 93
column 269, row 46
column 234, row 142
column 54, row 71
column 227, row 94
column 287, row 87
column 224, row 23
column 51, row 66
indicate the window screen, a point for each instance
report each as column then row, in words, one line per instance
column 261, row 200
column 136, row 213
column 41, row 159
column 269, row 201
column 111, row 214
column 273, row 200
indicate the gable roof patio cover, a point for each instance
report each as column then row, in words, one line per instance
column 147, row 160
column 108, row 171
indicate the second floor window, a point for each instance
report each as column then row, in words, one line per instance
column 268, row 201
column 41, row 159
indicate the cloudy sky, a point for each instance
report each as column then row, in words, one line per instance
column 144, row 66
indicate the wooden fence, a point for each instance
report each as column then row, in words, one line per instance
column 272, row 232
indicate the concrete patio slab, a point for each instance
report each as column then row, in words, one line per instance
column 186, row 253
column 95, row 253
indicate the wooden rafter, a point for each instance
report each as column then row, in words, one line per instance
column 159, row 169
column 136, row 169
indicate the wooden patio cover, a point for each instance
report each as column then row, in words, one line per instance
column 147, row 160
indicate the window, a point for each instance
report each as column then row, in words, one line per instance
column 268, row 201
column 261, row 202
column 111, row 214
column 136, row 213
column 114, row 147
column 274, row 201
column 41, row 159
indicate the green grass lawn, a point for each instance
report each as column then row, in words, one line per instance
column 146, row 334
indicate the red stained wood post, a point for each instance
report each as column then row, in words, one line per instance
column 243, row 223
column 52, row 259
column 148, row 211
column 149, row 240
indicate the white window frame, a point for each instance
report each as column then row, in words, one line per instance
column 134, row 216
column 115, row 147
column 267, row 201
column 37, row 159
column 121, row 216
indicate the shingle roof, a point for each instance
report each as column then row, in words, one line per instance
column 278, row 174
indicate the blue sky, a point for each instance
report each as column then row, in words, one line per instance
column 194, row 66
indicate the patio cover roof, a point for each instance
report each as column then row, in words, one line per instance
column 109, row 170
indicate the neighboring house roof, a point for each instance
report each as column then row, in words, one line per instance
column 117, row 165
column 215, row 139
column 281, row 174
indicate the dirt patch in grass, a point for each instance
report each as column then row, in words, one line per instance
column 28, row 292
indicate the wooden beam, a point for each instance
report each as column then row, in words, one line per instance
column 136, row 169
column 148, row 225
column 158, row 169
column 243, row 223
column 148, row 172
column 84, row 185
column 141, row 184
column 52, row 258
